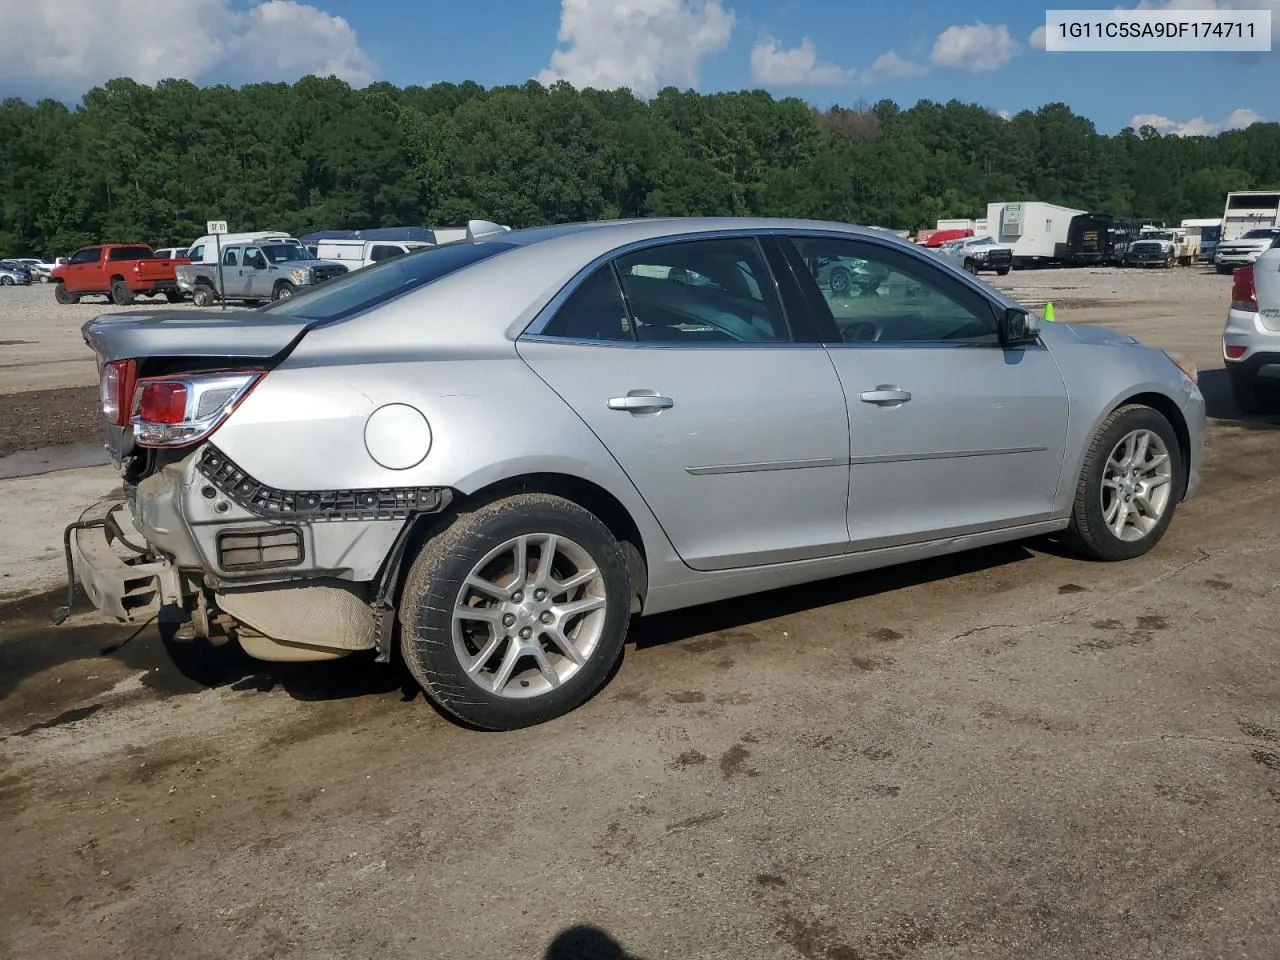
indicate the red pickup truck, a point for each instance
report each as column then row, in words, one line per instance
column 118, row 271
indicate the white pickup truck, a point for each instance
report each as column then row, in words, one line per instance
column 1251, row 339
column 1245, row 249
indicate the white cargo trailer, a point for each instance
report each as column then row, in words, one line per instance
column 1036, row 231
column 1247, row 210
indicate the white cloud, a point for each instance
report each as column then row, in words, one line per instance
column 641, row 44
column 1036, row 39
column 1004, row 114
column 1197, row 126
column 891, row 65
column 1193, row 7
column 63, row 48
column 977, row 48
column 775, row 66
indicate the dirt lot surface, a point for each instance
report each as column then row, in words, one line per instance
column 1009, row 754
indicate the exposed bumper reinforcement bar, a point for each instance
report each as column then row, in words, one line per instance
column 127, row 588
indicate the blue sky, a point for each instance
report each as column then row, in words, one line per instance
column 824, row 51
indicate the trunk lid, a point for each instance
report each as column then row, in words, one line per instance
column 237, row 335
column 201, row 338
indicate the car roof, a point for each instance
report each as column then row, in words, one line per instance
column 614, row 233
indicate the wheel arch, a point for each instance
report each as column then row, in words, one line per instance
column 585, row 493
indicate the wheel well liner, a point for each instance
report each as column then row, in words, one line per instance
column 1170, row 410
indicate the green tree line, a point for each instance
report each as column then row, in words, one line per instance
column 152, row 164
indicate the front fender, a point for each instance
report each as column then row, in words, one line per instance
column 1102, row 376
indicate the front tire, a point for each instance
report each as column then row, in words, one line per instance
column 1003, row 271
column 517, row 612
column 971, row 267
column 6, row 281
column 1129, row 487
column 65, row 296
column 283, row 289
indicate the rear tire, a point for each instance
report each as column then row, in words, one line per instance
column 515, row 618
column 65, row 296
column 1244, row 390
column 203, row 295
column 1112, row 495
column 121, row 295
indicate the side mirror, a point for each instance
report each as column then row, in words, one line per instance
column 1018, row 327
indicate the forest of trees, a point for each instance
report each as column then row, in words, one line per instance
column 137, row 163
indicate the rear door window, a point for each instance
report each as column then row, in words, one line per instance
column 379, row 283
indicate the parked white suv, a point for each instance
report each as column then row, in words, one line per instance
column 1251, row 340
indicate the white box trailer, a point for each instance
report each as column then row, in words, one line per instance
column 1247, row 209
column 956, row 223
column 1036, row 231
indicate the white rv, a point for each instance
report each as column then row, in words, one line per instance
column 1036, row 231
column 205, row 250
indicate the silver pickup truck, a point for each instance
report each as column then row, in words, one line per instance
column 255, row 271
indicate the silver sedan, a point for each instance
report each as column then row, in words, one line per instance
column 490, row 455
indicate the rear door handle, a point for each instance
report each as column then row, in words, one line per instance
column 641, row 401
column 885, row 395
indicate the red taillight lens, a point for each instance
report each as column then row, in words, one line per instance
column 1244, row 295
column 116, row 387
column 163, row 401
column 1233, row 352
column 180, row 410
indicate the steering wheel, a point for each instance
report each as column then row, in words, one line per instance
column 863, row 331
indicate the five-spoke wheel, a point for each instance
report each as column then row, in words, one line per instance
column 1132, row 479
column 517, row 612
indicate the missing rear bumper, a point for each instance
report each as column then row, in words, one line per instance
column 108, row 557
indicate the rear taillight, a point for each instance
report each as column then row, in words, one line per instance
column 1233, row 351
column 163, row 402
column 116, row 383
column 184, row 409
column 1244, row 295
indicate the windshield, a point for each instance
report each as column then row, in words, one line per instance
column 372, row 286
column 1263, row 234
column 280, row 252
column 1156, row 235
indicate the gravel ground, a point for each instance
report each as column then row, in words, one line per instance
column 1006, row 754
column 40, row 342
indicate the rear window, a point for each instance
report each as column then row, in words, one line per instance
column 380, row 283
column 129, row 253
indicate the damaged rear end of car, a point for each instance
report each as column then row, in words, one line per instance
column 198, row 543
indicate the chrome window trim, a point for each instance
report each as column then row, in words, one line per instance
column 533, row 330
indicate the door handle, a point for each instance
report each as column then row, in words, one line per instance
column 637, row 401
column 884, row 395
